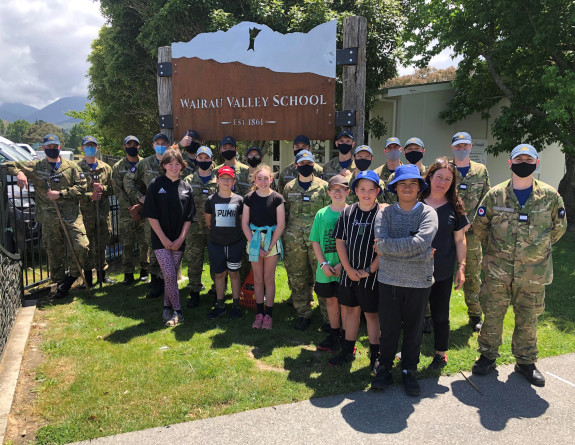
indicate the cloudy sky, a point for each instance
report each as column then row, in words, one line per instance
column 43, row 48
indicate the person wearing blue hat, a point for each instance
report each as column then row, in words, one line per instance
column 304, row 197
column 136, row 183
column 392, row 152
column 203, row 182
column 289, row 173
column 95, row 208
column 130, row 230
column 358, row 291
column 517, row 222
column 404, row 232
column 58, row 183
column 189, row 145
column 472, row 185
column 342, row 164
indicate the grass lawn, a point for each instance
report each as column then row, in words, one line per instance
column 112, row 367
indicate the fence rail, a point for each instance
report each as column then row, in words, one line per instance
column 11, row 293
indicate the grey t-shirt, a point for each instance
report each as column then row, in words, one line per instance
column 404, row 245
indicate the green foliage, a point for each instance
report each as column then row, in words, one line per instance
column 2, row 127
column 36, row 132
column 16, row 130
column 124, row 56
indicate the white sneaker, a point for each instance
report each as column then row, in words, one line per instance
column 175, row 320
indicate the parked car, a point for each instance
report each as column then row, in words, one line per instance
column 21, row 148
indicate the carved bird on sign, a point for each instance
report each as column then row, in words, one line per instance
column 253, row 34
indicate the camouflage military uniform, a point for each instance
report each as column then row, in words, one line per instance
column 290, row 172
column 198, row 235
column 472, row 189
column 332, row 168
column 70, row 181
column 517, row 263
column 300, row 261
column 243, row 183
column 129, row 230
column 191, row 166
column 390, row 197
column 384, row 172
column 90, row 209
column 136, row 183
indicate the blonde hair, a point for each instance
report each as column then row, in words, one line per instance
column 258, row 169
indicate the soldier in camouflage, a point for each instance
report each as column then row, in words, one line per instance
column 229, row 150
column 517, row 222
column 204, row 185
column 61, row 182
column 130, row 230
column 136, row 184
column 392, row 152
column 95, row 208
column 189, row 146
column 472, row 184
column 363, row 156
column 290, row 173
column 343, row 164
column 304, row 196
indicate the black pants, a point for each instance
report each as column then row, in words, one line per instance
column 401, row 308
column 439, row 303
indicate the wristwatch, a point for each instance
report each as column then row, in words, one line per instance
column 323, row 264
column 368, row 270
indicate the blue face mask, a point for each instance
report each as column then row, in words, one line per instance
column 90, row 151
column 160, row 149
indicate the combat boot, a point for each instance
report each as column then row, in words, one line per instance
column 531, row 373
column 89, row 279
column 102, row 278
column 483, row 365
column 156, row 287
column 128, row 279
column 65, row 286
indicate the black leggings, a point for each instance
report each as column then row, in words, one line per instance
column 439, row 304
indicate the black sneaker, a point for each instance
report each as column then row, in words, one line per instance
column 438, row 362
column 329, row 343
column 483, row 366
column 427, row 326
column 410, row 383
column 194, row 300
column 475, row 323
column 301, row 324
column 217, row 312
column 531, row 373
column 143, row 274
column 342, row 358
column 235, row 313
column 128, row 279
column 382, row 380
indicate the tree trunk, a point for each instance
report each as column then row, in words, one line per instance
column 567, row 190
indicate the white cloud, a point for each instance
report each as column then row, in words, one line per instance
column 441, row 61
column 44, row 45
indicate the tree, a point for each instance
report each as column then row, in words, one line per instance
column 15, row 131
column 124, row 56
column 428, row 74
column 39, row 129
column 517, row 52
column 2, row 127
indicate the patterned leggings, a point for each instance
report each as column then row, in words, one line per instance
column 169, row 261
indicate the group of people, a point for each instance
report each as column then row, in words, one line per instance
column 389, row 242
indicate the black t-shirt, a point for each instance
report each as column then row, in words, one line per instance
column 355, row 227
column 263, row 208
column 226, row 224
column 444, row 243
column 172, row 204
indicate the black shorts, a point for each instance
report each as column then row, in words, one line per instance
column 367, row 299
column 224, row 258
column 326, row 290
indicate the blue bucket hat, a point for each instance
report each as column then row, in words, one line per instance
column 161, row 136
column 370, row 175
column 363, row 148
column 407, row 171
column 301, row 139
column 228, row 140
column 461, row 138
column 205, row 150
column 415, row 141
column 304, row 155
column 51, row 139
column 347, row 133
column 87, row 139
column 524, row 149
column 131, row 138
column 390, row 141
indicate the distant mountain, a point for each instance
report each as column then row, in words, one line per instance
column 53, row 113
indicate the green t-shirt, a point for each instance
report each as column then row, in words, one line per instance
column 322, row 233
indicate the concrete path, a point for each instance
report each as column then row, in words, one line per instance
column 450, row 411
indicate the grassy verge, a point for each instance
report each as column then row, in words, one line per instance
column 113, row 367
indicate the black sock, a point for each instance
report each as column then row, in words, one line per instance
column 236, row 302
column 373, row 349
column 348, row 345
column 342, row 333
column 179, row 312
column 269, row 310
column 260, row 307
column 220, row 303
column 334, row 332
column 167, row 307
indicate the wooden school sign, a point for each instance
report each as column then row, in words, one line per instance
column 255, row 84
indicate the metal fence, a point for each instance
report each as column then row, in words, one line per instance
column 11, row 293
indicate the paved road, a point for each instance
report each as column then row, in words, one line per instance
column 449, row 411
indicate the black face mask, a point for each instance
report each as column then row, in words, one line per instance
column 52, row 153
column 193, row 147
column 362, row 164
column 305, row 170
column 344, row 148
column 204, row 165
column 132, row 151
column 296, row 151
column 254, row 162
column 523, row 169
column 229, row 154
column 413, row 157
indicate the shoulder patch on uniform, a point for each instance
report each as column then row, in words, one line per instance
column 561, row 213
column 481, row 211
column 133, row 169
